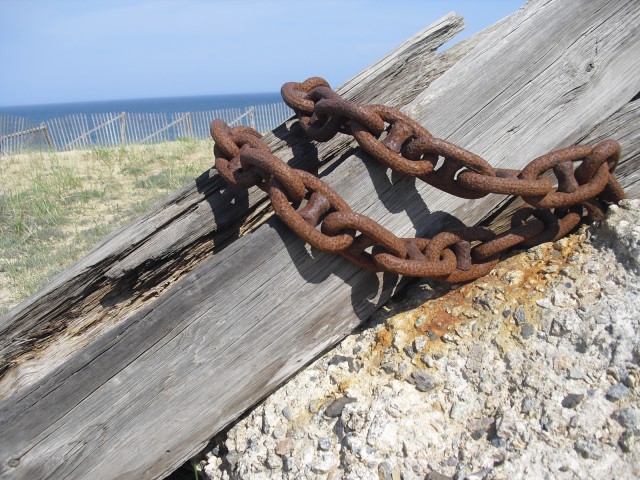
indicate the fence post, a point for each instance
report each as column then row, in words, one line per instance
column 46, row 135
column 252, row 119
column 189, row 130
column 123, row 131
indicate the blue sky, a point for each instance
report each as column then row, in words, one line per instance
column 55, row 51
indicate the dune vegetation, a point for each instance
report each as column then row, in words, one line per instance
column 56, row 206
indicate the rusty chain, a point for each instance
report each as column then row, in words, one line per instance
column 400, row 143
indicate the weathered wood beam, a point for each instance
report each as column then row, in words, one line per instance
column 624, row 126
column 244, row 320
column 495, row 97
column 133, row 267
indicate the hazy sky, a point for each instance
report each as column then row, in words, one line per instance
column 56, row 51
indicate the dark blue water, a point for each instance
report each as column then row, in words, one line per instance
column 42, row 113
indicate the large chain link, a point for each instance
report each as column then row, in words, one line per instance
column 405, row 146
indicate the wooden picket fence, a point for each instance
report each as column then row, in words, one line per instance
column 79, row 131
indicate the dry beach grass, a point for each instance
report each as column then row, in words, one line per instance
column 55, row 206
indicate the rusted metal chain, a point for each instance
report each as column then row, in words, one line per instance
column 405, row 146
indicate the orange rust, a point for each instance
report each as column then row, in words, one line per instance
column 452, row 308
column 385, row 338
column 442, row 321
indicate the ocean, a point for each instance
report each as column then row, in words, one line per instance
column 42, row 113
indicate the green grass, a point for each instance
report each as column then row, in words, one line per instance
column 54, row 207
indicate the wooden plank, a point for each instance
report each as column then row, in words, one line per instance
column 123, row 129
column 131, row 133
column 106, row 134
column 69, row 123
column 202, row 129
column 141, row 126
column 188, row 125
column 83, row 127
column 195, row 125
column 98, row 119
column 254, row 313
column 110, row 128
column 80, row 131
column 53, row 131
column 133, row 266
column 114, row 129
column 137, row 124
column 161, row 124
column 57, row 308
column 199, row 125
column 50, row 144
column 624, row 126
column 29, row 131
column 157, row 123
column 151, row 126
column 71, row 126
column 137, row 119
column 98, row 134
column 145, row 125
column 62, row 133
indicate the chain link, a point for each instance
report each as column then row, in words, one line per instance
column 400, row 143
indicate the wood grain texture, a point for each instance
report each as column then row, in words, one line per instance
column 132, row 267
column 139, row 399
column 555, row 88
column 624, row 126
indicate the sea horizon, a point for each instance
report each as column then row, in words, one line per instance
column 38, row 113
